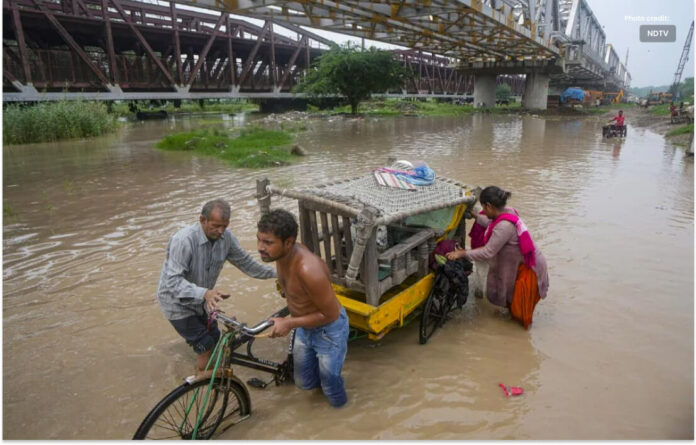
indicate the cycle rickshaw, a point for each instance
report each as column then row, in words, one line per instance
column 376, row 242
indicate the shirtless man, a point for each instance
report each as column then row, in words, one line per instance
column 322, row 324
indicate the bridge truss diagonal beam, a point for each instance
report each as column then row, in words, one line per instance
column 142, row 47
column 463, row 29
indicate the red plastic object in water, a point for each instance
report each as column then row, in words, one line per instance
column 511, row 390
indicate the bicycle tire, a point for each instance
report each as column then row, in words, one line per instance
column 436, row 308
column 167, row 419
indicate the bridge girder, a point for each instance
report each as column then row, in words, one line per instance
column 469, row 30
column 588, row 57
column 182, row 53
column 131, row 50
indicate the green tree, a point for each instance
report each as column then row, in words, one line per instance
column 503, row 91
column 353, row 73
column 686, row 88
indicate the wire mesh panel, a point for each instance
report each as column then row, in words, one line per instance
column 365, row 190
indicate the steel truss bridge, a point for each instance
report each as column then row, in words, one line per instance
column 128, row 49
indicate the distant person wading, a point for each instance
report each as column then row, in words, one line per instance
column 517, row 276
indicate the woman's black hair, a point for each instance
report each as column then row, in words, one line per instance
column 494, row 196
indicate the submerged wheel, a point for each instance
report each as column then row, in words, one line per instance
column 168, row 420
column 435, row 311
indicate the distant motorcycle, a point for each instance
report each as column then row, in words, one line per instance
column 610, row 131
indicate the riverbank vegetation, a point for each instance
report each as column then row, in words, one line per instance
column 686, row 129
column 230, row 106
column 660, row 110
column 250, row 147
column 411, row 107
column 53, row 121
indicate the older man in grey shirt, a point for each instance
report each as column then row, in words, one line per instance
column 195, row 256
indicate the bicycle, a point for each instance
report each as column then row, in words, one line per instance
column 195, row 409
column 450, row 290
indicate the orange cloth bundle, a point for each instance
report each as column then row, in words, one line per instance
column 525, row 297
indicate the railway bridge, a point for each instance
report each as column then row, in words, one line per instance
column 136, row 49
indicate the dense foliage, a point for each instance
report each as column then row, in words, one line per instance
column 353, row 73
column 503, row 91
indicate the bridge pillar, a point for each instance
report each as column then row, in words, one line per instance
column 484, row 90
column 536, row 88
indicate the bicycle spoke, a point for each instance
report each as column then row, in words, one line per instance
column 200, row 406
column 170, row 420
column 184, row 425
column 168, row 428
column 167, row 422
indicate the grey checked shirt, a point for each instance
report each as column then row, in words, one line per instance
column 192, row 266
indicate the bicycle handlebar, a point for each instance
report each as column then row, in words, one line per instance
column 254, row 330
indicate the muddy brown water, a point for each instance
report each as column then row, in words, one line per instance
column 87, row 352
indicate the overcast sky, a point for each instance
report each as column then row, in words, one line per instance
column 648, row 63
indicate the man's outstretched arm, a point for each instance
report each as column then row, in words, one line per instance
column 244, row 262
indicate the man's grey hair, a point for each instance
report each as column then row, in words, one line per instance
column 216, row 204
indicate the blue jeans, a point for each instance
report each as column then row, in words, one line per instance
column 318, row 356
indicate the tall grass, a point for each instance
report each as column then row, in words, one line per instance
column 52, row 121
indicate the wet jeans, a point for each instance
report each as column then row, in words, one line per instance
column 318, row 356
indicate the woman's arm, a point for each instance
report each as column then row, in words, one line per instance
column 482, row 220
column 502, row 233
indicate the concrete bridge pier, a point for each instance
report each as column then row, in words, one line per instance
column 484, row 90
column 536, row 88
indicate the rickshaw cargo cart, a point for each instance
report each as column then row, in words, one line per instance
column 376, row 241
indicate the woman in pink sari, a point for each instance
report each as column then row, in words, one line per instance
column 512, row 256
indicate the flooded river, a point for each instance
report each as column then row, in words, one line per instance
column 87, row 352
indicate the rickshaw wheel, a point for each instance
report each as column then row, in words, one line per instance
column 437, row 306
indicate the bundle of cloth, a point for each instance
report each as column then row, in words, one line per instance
column 457, row 271
column 405, row 175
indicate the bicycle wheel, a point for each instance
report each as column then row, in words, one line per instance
column 435, row 311
column 168, row 420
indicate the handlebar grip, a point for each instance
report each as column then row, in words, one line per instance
column 259, row 327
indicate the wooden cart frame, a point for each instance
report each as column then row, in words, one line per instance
column 378, row 289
